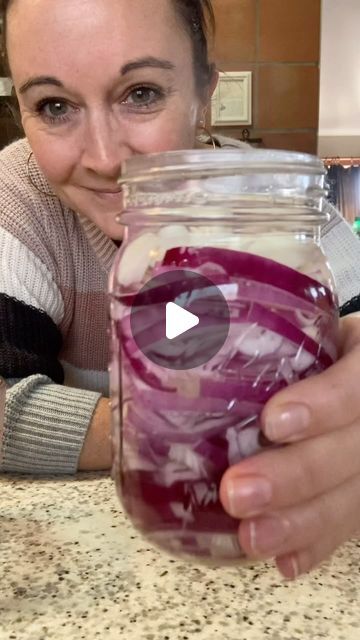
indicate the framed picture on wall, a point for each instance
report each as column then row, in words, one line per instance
column 232, row 101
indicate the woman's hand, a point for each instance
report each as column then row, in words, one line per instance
column 300, row 502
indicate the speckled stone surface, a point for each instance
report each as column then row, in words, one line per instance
column 71, row 566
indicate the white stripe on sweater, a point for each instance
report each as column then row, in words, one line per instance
column 23, row 276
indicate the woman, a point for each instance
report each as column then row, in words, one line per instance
column 142, row 85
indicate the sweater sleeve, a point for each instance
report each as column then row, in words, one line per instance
column 45, row 425
column 44, row 422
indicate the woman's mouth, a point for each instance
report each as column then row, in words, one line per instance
column 112, row 195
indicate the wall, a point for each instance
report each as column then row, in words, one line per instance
column 279, row 40
column 339, row 128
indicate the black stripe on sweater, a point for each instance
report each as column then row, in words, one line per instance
column 30, row 341
column 350, row 306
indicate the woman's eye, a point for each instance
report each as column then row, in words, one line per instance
column 144, row 97
column 54, row 110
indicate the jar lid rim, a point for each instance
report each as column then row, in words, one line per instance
column 220, row 161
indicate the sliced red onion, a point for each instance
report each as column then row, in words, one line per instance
column 240, row 264
column 181, row 430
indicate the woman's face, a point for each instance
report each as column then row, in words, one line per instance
column 99, row 81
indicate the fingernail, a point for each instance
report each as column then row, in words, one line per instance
column 248, row 496
column 288, row 567
column 268, row 533
column 287, row 422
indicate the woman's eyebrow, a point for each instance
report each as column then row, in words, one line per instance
column 155, row 63
column 39, row 81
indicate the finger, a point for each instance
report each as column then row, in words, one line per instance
column 290, row 475
column 309, row 532
column 342, row 526
column 349, row 333
column 321, row 403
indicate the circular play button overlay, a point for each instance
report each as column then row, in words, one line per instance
column 180, row 319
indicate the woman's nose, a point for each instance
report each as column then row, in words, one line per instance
column 104, row 149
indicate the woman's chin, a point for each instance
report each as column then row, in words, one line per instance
column 112, row 229
column 103, row 210
column 107, row 222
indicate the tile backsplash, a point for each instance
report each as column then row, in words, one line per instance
column 279, row 41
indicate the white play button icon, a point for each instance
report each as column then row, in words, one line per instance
column 178, row 320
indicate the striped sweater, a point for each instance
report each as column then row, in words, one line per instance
column 54, row 316
column 53, row 320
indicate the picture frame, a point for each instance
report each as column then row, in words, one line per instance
column 6, row 86
column 232, row 100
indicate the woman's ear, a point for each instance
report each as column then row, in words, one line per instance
column 213, row 82
column 208, row 93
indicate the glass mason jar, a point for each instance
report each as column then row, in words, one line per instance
column 249, row 219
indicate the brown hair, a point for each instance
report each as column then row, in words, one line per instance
column 198, row 19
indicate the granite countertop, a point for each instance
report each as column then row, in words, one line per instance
column 73, row 567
